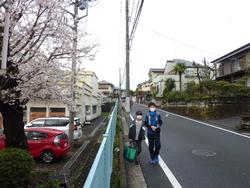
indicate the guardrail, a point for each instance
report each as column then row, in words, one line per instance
column 100, row 172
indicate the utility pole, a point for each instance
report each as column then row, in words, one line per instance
column 127, row 107
column 5, row 40
column 73, row 71
column 120, row 83
column 82, row 4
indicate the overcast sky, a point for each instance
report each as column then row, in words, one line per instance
column 167, row 30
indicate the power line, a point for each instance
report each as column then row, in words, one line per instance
column 177, row 41
column 136, row 20
column 121, row 52
column 131, row 15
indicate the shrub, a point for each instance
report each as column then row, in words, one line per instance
column 178, row 96
column 49, row 184
column 15, row 167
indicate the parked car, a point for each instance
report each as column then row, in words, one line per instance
column 87, row 120
column 60, row 123
column 78, row 121
column 44, row 143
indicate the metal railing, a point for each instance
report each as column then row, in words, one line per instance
column 100, row 172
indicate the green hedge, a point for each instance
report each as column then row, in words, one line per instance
column 15, row 168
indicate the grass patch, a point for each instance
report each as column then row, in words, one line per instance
column 105, row 114
column 116, row 173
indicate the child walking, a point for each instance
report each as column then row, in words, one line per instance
column 153, row 122
column 137, row 134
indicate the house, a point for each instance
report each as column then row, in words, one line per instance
column 87, row 97
column 107, row 89
column 189, row 75
column 154, row 72
column 234, row 65
column 144, row 91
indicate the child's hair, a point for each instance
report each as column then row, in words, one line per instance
column 151, row 104
column 138, row 113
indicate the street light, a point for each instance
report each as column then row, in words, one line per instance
column 83, row 4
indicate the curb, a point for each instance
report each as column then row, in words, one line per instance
column 133, row 173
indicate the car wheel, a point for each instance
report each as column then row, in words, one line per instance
column 48, row 156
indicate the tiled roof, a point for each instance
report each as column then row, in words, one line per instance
column 231, row 54
column 156, row 70
column 103, row 82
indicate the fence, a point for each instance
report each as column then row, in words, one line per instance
column 100, row 172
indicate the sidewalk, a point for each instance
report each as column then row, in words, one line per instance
column 228, row 123
column 134, row 175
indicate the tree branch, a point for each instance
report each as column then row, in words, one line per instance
column 40, row 12
column 71, row 14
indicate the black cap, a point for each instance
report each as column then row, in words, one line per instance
column 151, row 104
column 138, row 113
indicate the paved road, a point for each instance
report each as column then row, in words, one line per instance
column 198, row 155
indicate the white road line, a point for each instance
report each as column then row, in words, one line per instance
column 165, row 168
column 207, row 124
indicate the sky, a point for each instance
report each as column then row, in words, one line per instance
column 176, row 29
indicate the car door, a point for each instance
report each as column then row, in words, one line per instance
column 36, row 142
column 63, row 124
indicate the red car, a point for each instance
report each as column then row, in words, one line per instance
column 45, row 143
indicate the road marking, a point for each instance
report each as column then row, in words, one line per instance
column 207, row 124
column 165, row 168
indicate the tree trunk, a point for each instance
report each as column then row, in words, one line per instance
column 13, row 126
column 12, row 114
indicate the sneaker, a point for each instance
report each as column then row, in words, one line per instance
column 156, row 160
column 152, row 161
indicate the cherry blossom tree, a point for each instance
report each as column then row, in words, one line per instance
column 40, row 47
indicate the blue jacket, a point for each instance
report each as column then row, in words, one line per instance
column 153, row 119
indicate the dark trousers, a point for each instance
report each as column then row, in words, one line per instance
column 137, row 145
column 154, row 145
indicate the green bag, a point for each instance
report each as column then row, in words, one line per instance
column 130, row 153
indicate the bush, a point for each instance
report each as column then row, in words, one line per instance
column 178, row 96
column 49, row 184
column 15, row 167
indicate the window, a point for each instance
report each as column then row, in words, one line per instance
column 38, row 123
column 87, row 110
column 94, row 109
column 63, row 122
column 56, row 122
column 37, row 109
column 236, row 66
column 57, row 109
column 51, row 122
column 34, row 135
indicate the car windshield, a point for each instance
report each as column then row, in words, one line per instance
column 56, row 122
column 38, row 123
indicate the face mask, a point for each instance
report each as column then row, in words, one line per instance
column 152, row 109
column 139, row 117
